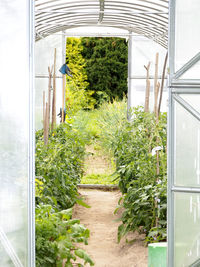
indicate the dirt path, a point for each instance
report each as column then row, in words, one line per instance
column 103, row 246
column 97, row 162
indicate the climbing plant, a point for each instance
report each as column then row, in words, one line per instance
column 144, row 198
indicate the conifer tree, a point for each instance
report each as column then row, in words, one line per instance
column 106, row 66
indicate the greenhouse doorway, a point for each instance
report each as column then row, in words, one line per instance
column 113, row 123
column 184, row 87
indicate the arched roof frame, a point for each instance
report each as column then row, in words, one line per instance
column 144, row 17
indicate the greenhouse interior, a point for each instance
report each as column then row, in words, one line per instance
column 136, row 110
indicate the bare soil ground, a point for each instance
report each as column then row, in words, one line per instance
column 103, row 246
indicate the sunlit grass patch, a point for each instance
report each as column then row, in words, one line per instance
column 104, row 179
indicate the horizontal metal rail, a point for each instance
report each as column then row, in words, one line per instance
column 182, row 189
column 192, row 90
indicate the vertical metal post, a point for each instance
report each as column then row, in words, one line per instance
column 170, row 138
column 64, row 77
column 130, row 68
column 31, row 142
column 170, row 171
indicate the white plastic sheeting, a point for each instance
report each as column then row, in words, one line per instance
column 143, row 52
column 44, row 58
column 15, row 134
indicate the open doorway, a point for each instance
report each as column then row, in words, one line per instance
column 108, row 135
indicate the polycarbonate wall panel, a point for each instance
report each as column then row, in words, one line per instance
column 44, row 58
column 143, row 52
column 193, row 100
column 187, row 31
column 14, row 133
column 187, row 147
column 187, row 229
column 192, row 73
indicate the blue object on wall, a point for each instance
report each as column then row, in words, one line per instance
column 65, row 70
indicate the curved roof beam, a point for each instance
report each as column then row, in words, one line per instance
column 145, row 17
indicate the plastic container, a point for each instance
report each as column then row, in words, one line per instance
column 157, row 254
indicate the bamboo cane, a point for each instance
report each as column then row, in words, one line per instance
column 63, row 97
column 54, row 93
column 162, row 83
column 147, row 92
column 46, row 128
column 156, row 81
column 43, row 109
column 49, row 92
column 157, row 142
column 156, row 102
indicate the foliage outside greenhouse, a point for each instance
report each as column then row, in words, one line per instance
column 99, row 67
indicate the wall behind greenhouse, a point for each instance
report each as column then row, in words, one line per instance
column 44, row 58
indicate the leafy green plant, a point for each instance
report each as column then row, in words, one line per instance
column 144, row 191
column 85, row 122
column 110, row 118
column 59, row 170
column 57, row 236
column 59, row 166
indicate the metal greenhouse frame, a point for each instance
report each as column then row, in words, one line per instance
column 148, row 18
column 183, row 189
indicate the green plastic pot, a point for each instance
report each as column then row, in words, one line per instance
column 157, row 254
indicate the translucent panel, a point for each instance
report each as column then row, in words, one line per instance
column 14, row 133
column 144, row 51
column 187, row 31
column 187, row 148
column 193, row 100
column 192, row 73
column 44, row 57
column 138, row 95
column 187, row 229
column 148, row 18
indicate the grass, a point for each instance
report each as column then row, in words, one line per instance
column 99, row 128
column 103, row 179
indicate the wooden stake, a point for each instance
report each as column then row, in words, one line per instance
column 147, row 93
column 54, row 93
column 156, row 100
column 46, row 126
column 63, row 97
column 49, row 93
column 156, row 93
column 43, row 109
column 162, row 83
column 156, row 81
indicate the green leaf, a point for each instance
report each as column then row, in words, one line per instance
column 83, row 255
column 82, row 203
